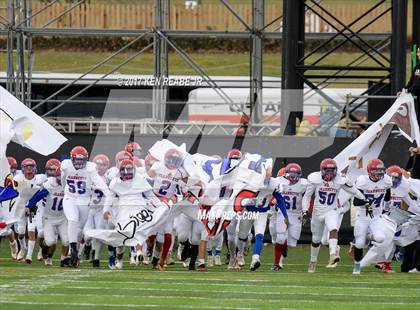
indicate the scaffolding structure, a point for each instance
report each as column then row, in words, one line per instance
column 16, row 24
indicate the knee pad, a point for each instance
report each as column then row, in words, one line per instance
column 315, row 244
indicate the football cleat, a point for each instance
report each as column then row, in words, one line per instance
column 312, row 267
column 276, row 268
column 162, row 267
column 28, row 260
column 387, row 268
column 186, row 263
column 356, row 268
column 240, row 260
column 119, row 264
column 170, row 261
column 111, row 262
column 48, row 261
column 210, row 261
column 74, row 260
column 380, row 265
column 65, row 262
column 414, row 270
column 155, row 261
column 255, row 263
column 95, row 263
column 202, row 268
column 39, row 256
column 14, row 250
column 146, row 260
column 133, row 260
column 334, row 259
column 21, row 255
column 217, row 260
column 233, row 265
column 86, row 251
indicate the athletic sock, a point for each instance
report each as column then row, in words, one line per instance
column 333, row 246
column 31, row 246
column 167, row 241
column 258, row 245
column 73, row 229
column 277, row 253
column 22, row 244
column 314, row 253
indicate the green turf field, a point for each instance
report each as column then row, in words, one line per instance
column 38, row 287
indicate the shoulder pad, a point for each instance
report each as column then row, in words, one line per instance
column 304, row 182
column 18, row 177
column 315, row 178
column 342, row 180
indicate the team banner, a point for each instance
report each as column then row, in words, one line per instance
column 355, row 157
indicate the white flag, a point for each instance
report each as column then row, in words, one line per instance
column 355, row 157
column 29, row 129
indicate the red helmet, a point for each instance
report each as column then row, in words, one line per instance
column 376, row 170
column 53, row 168
column 149, row 161
column 13, row 164
column 28, row 167
column 120, row 156
column 328, row 169
column 234, row 154
column 396, row 173
column 134, row 149
column 102, row 163
column 281, row 172
column 127, row 169
column 293, row 172
column 79, row 156
column 173, row 159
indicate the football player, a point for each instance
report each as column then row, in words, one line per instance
column 287, row 234
column 28, row 183
column 376, row 188
column 95, row 220
column 78, row 176
column 55, row 223
column 325, row 185
column 138, row 212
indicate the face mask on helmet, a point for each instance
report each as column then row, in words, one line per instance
column 29, row 170
column 328, row 174
column 377, row 174
column 293, row 176
column 173, row 161
column 52, row 171
column 101, row 167
column 396, row 181
column 127, row 172
column 79, row 162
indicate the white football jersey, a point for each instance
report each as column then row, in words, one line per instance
column 27, row 188
column 374, row 191
column 54, row 201
column 97, row 199
column 79, row 182
column 400, row 194
column 326, row 193
column 129, row 193
column 293, row 194
column 166, row 181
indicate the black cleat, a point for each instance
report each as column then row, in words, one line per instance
column 284, row 251
column 155, row 262
column 86, row 252
column 95, row 263
column 276, row 268
column 186, row 251
column 65, row 262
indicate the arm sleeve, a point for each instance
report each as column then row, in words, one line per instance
column 306, row 200
column 38, row 196
column 280, row 203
